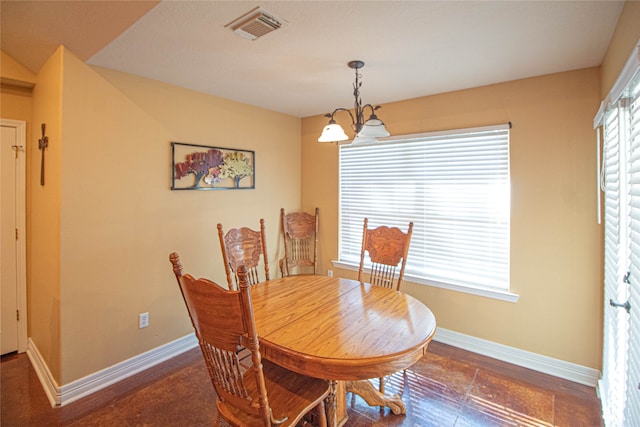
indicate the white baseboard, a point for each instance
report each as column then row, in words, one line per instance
column 548, row 365
column 60, row 396
column 49, row 384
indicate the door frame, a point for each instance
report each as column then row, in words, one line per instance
column 21, row 254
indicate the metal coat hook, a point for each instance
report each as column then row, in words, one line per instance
column 17, row 149
column 42, row 144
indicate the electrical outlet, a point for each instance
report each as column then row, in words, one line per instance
column 143, row 320
column 330, row 273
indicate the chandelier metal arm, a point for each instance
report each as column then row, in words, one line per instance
column 353, row 121
column 357, row 121
column 330, row 115
column 371, row 128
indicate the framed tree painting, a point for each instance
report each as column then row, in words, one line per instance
column 202, row 167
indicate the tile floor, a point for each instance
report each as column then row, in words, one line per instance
column 449, row 387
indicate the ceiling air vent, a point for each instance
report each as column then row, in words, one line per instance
column 255, row 23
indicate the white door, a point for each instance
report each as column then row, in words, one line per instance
column 12, row 236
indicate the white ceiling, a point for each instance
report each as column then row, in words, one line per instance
column 411, row 48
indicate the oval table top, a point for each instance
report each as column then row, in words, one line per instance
column 339, row 329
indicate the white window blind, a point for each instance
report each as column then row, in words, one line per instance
column 620, row 116
column 615, row 330
column 455, row 188
column 632, row 414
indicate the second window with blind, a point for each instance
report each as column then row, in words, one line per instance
column 453, row 185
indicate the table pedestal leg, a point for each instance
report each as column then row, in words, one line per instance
column 330, row 404
column 336, row 404
column 373, row 397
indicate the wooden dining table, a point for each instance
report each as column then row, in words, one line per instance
column 341, row 330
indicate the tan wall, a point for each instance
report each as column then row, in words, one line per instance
column 15, row 73
column 120, row 220
column 16, row 98
column 556, row 255
column 16, row 104
column 43, row 243
column 625, row 37
column 102, row 227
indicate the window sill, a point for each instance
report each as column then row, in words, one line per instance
column 498, row 294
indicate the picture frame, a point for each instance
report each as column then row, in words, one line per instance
column 204, row 167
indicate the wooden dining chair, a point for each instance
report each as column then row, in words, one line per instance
column 243, row 246
column 387, row 248
column 264, row 394
column 300, row 231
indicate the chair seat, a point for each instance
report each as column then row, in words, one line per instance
column 300, row 395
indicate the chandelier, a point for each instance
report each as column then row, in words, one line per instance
column 364, row 131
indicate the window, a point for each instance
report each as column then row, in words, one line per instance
column 453, row 185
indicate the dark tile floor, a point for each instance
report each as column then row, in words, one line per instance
column 448, row 387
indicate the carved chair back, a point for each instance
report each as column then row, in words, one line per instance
column 300, row 230
column 387, row 248
column 243, row 246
